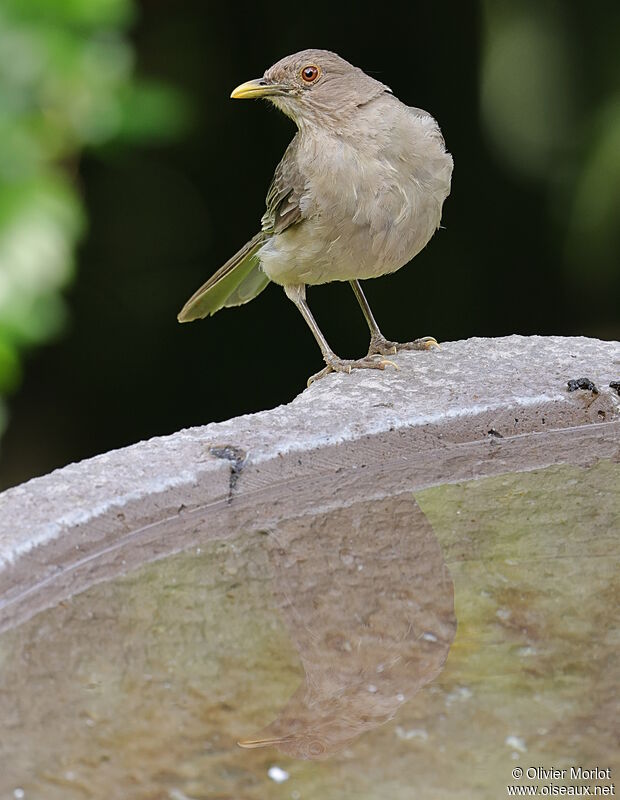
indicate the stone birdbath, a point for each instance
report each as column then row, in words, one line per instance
column 400, row 585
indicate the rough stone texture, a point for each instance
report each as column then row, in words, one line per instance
column 300, row 591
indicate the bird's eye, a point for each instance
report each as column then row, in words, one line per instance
column 310, row 73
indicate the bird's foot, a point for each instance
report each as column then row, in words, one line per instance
column 335, row 364
column 381, row 346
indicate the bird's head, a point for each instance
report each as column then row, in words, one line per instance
column 313, row 87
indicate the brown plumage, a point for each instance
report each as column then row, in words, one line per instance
column 358, row 194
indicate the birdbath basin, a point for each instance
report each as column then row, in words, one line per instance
column 402, row 584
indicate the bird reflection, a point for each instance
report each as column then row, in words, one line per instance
column 369, row 603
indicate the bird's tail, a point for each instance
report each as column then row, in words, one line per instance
column 239, row 280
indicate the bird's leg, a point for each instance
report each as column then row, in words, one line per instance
column 378, row 343
column 297, row 293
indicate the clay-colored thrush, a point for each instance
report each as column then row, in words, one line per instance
column 357, row 194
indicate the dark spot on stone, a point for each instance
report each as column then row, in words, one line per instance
column 228, row 451
column 601, row 414
column 237, row 457
column 493, row 432
column 581, row 383
column 615, row 385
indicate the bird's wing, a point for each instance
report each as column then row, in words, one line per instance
column 238, row 281
column 284, row 193
column 241, row 279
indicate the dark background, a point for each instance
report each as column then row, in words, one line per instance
column 163, row 217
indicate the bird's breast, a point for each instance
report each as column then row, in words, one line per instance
column 368, row 208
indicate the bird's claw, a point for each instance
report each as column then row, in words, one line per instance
column 425, row 343
column 381, row 346
column 348, row 365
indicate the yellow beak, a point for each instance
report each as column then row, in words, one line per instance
column 257, row 88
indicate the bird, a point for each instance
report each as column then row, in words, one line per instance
column 358, row 193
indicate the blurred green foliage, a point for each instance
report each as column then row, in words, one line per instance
column 66, row 83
